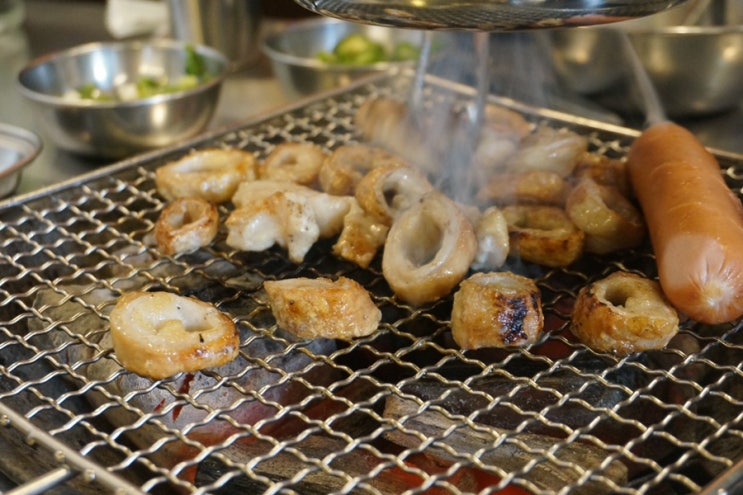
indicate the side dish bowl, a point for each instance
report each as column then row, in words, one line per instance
column 86, row 98
column 296, row 52
column 696, row 69
column 18, row 148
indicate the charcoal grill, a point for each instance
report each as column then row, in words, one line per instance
column 403, row 410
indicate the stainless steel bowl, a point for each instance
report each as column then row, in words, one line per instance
column 18, row 148
column 293, row 54
column 116, row 129
column 696, row 70
column 231, row 27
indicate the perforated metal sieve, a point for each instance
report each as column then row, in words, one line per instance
column 485, row 15
column 400, row 411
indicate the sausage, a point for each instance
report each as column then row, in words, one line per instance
column 695, row 222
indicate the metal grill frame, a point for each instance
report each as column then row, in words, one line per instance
column 84, row 230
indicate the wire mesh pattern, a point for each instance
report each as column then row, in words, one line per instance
column 401, row 411
column 483, row 15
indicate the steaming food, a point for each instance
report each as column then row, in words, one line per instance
column 497, row 309
column 323, row 308
column 624, row 313
column 386, row 122
column 392, row 125
column 493, row 242
column 543, row 235
column 501, row 134
column 547, row 148
column 361, row 238
column 282, row 219
column 543, row 187
column 211, row 174
column 344, row 167
column 293, row 162
column 609, row 220
column 286, row 214
column 390, row 189
column 159, row 334
column 186, row 225
column 429, row 249
column 605, row 171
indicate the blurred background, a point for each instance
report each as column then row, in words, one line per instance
column 272, row 46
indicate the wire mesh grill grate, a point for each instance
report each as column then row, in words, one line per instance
column 402, row 410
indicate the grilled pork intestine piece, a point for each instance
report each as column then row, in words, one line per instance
column 496, row 309
column 543, row 235
column 283, row 219
column 293, row 162
column 493, row 244
column 390, row 124
column 543, row 187
column 74, row 319
column 610, row 221
column 361, row 238
column 623, row 313
column 283, row 213
column 328, row 209
column 390, row 189
column 160, row 334
column 185, row 225
column 547, row 148
column 386, row 122
column 342, row 170
column 429, row 249
column 605, row 171
column 211, row 174
column 323, row 308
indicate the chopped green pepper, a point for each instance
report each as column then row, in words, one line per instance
column 195, row 63
column 357, row 49
column 405, row 51
column 195, row 72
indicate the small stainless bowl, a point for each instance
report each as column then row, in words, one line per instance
column 696, row 70
column 293, row 54
column 116, row 129
column 18, row 148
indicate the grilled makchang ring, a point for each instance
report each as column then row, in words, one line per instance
column 159, row 334
column 543, row 235
column 623, row 313
column 493, row 243
column 210, row 174
column 186, row 225
column 608, row 219
column 556, row 150
column 344, row 167
column 322, row 308
column 362, row 236
column 604, row 171
column 389, row 189
column 532, row 187
column 429, row 249
column 294, row 162
column 497, row 309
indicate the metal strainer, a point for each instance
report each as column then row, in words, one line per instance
column 486, row 15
